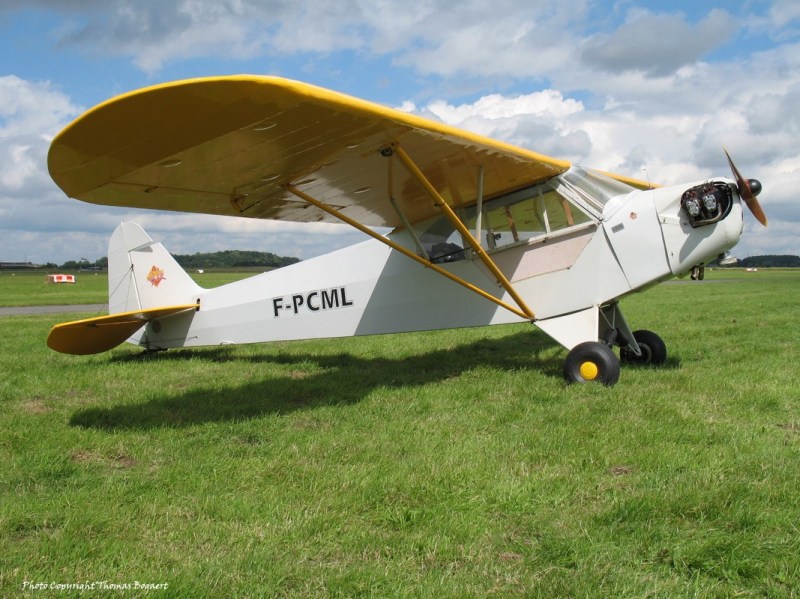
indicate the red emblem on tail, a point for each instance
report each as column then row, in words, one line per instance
column 155, row 276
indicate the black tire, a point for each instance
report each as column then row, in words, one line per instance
column 591, row 362
column 654, row 350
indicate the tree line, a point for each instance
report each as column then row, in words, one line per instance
column 234, row 259
column 224, row 259
column 268, row 260
column 784, row 261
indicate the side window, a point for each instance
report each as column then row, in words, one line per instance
column 442, row 242
column 516, row 217
column 512, row 223
column 523, row 215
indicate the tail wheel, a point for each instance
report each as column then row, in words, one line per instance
column 654, row 351
column 591, row 361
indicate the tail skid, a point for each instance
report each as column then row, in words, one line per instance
column 145, row 284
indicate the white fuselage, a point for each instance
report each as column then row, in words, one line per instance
column 642, row 238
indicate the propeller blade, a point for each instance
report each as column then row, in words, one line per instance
column 745, row 192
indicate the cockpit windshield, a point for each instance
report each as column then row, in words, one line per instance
column 590, row 186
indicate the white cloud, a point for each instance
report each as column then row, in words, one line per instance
column 38, row 223
column 549, row 104
column 32, row 108
column 30, row 115
column 154, row 33
column 493, row 39
column 657, row 44
column 540, row 121
column 479, row 38
column 17, row 166
column 641, row 93
column 779, row 21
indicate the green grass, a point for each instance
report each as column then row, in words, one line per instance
column 30, row 289
column 442, row 464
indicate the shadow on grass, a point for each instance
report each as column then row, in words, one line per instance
column 672, row 363
column 343, row 379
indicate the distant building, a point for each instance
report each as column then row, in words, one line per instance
column 16, row 265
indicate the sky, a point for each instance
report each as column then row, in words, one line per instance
column 650, row 89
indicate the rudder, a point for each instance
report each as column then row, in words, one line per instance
column 143, row 275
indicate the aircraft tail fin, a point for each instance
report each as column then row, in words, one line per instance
column 145, row 283
column 143, row 275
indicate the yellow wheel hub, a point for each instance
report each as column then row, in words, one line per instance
column 589, row 371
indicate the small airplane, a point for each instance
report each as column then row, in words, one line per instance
column 482, row 232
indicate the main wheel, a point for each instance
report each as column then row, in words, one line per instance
column 591, row 361
column 654, row 351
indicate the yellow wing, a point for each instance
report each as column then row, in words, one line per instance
column 231, row 145
column 95, row 335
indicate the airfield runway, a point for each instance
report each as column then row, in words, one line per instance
column 29, row 310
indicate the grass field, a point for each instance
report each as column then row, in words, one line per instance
column 30, row 289
column 443, row 464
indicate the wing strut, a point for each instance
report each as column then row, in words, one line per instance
column 420, row 248
column 406, row 252
column 438, row 200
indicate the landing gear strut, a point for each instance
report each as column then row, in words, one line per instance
column 698, row 273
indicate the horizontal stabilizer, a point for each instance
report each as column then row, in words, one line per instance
column 95, row 335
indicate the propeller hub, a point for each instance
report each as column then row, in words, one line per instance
column 755, row 186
